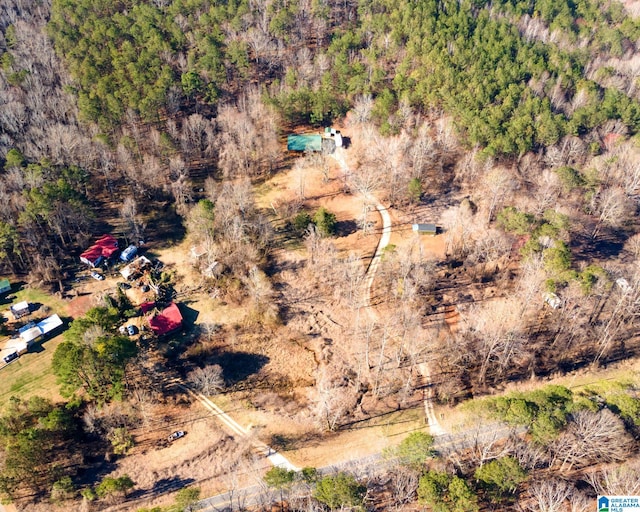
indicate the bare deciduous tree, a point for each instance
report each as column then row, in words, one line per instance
column 208, row 380
column 612, row 206
column 336, row 397
column 592, row 437
column 496, row 184
column 617, row 479
column 549, row 496
column 260, row 290
column 632, row 245
column 403, row 485
column 129, row 214
column 458, row 224
column 497, row 330
column 361, row 112
column 322, row 254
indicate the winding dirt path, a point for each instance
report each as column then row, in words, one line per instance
column 423, row 368
column 261, row 448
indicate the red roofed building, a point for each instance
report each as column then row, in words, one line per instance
column 104, row 248
column 147, row 306
column 167, row 321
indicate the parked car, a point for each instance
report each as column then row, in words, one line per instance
column 128, row 254
column 176, row 435
column 98, row 277
column 123, row 285
column 132, row 329
column 11, row 357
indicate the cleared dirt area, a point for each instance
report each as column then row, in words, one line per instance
column 432, row 246
column 160, row 467
column 272, row 370
column 312, row 187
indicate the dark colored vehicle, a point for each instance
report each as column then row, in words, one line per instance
column 176, row 435
column 132, row 329
column 10, row 357
column 124, row 286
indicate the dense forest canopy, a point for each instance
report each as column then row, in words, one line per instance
column 508, row 92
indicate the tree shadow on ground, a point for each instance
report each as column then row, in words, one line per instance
column 240, row 365
column 162, row 486
column 346, row 227
column 607, row 245
column 189, row 315
column 96, row 465
column 164, row 226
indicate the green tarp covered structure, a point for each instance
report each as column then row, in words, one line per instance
column 312, row 142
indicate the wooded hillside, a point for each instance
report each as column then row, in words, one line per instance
column 513, row 125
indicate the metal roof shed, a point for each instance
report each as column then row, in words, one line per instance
column 20, row 309
column 425, row 229
column 50, row 324
column 30, row 335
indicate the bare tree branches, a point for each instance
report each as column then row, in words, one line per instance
column 208, row 380
column 549, row 496
column 622, row 480
column 592, row 437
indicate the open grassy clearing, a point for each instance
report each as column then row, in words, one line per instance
column 304, row 446
column 37, row 296
column 360, row 440
column 31, row 374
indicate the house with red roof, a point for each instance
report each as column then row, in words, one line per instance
column 163, row 322
column 104, row 248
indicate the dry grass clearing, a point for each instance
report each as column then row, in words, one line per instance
column 312, row 188
column 199, row 459
column 361, row 439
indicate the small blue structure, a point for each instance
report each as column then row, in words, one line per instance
column 128, row 254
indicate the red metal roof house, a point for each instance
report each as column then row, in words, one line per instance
column 165, row 322
column 104, row 248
